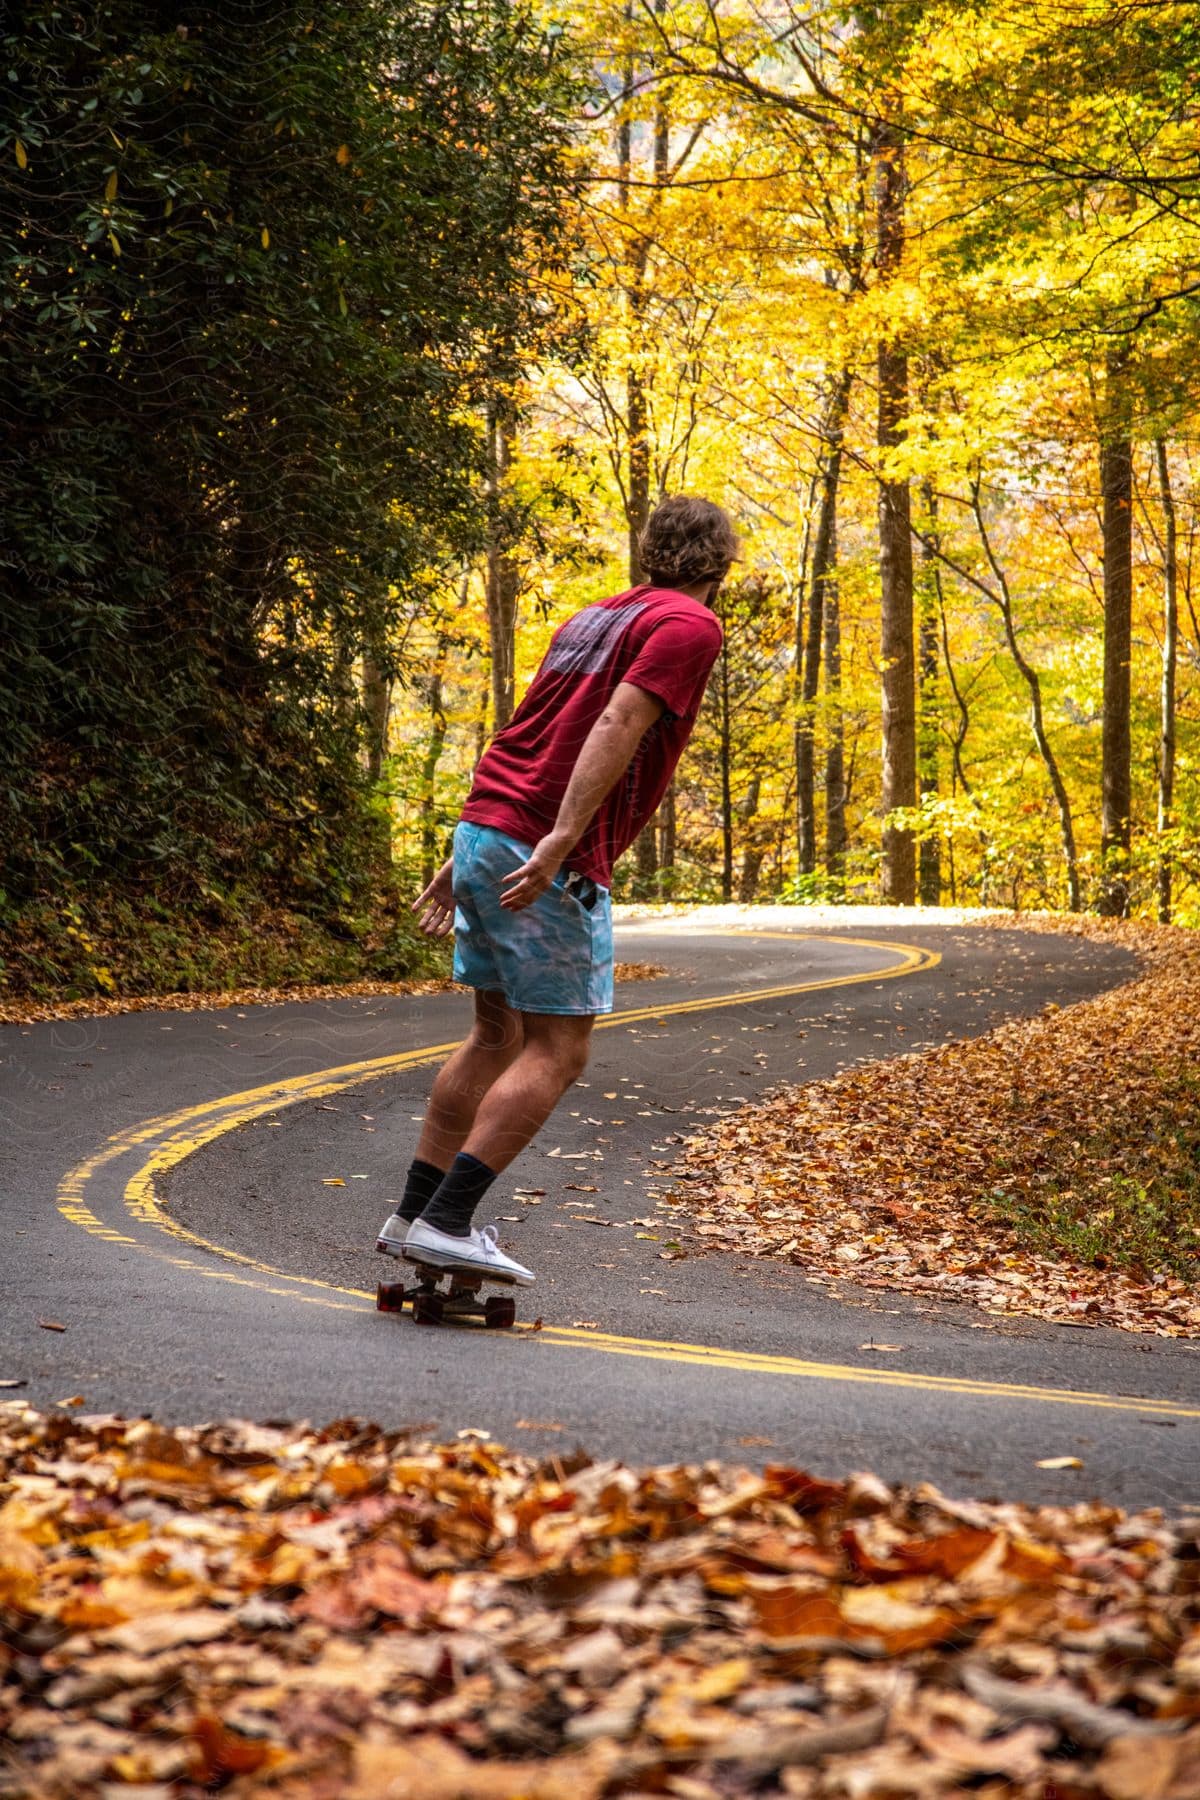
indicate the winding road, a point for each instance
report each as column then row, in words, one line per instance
column 194, row 1197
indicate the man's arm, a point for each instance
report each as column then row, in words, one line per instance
column 607, row 752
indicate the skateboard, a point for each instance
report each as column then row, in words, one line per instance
column 431, row 1303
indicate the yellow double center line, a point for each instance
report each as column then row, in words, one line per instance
column 176, row 1135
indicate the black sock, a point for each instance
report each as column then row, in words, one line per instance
column 422, row 1184
column 462, row 1188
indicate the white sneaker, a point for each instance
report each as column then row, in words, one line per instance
column 477, row 1254
column 391, row 1238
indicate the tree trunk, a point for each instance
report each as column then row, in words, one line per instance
column 808, row 647
column 1170, row 651
column 1116, row 493
column 342, row 684
column 726, row 781
column 899, row 785
column 645, row 861
column 667, row 835
column 430, row 859
column 639, row 465
column 637, row 419
column 835, row 742
column 376, row 705
column 481, row 720
column 753, row 850
column 502, row 577
column 927, row 745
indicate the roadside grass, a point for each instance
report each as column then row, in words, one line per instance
column 1142, row 1227
column 1133, row 1201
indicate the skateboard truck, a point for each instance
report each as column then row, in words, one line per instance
column 432, row 1303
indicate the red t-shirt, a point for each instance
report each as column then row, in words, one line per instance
column 656, row 638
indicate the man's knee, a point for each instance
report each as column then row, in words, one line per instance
column 565, row 1042
column 573, row 1062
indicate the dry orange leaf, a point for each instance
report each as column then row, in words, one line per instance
column 399, row 1617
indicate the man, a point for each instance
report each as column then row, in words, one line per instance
column 561, row 791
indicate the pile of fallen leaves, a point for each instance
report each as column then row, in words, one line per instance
column 95, row 1006
column 637, row 971
column 934, row 1173
column 350, row 1614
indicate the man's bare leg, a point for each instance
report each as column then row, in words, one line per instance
column 463, row 1080
column 518, row 1103
column 553, row 1054
column 496, row 1039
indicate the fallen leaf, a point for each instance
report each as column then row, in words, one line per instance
column 167, row 1631
column 352, row 1611
column 378, row 1580
column 224, row 1753
column 51, row 1325
column 1136, row 1768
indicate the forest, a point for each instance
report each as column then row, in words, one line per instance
column 334, row 376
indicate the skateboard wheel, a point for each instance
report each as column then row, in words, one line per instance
column 390, row 1296
column 499, row 1313
column 427, row 1309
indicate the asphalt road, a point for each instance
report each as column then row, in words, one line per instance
column 195, row 1197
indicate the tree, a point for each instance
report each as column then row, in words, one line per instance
column 253, row 267
column 1020, row 247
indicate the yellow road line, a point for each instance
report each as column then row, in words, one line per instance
column 240, row 1108
column 756, row 1363
column 234, row 1110
column 180, row 1133
column 231, row 1110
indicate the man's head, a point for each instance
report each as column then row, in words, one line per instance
column 687, row 542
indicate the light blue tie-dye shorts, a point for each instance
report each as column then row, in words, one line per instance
column 555, row 956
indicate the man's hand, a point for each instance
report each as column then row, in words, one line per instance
column 438, row 901
column 535, row 877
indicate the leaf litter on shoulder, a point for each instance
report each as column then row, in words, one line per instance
column 351, row 1612
column 1050, row 1168
column 95, row 1006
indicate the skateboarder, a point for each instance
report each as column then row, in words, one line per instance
column 561, row 791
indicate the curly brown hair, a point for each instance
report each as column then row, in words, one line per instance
column 686, row 540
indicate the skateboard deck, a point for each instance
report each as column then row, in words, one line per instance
column 442, row 1293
